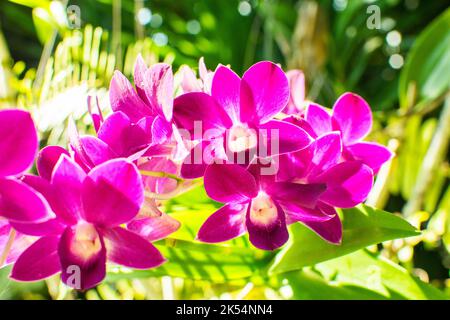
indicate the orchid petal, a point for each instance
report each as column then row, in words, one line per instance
column 47, row 159
column 371, row 154
column 348, row 184
column 67, row 181
column 18, row 143
column 289, row 193
column 353, row 117
column 158, row 85
column 264, row 92
column 195, row 109
column 124, row 98
column 226, row 223
column 130, row 250
column 225, row 90
column 83, row 265
column 229, row 183
column 330, row 230
column 21, row 203
column 282, row 137
column 39, row 261
column 118, row 184
column 268, row 236
column 319, row 119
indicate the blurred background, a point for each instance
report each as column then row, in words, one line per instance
column 394, row 53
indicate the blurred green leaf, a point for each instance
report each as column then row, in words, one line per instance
column 363, row 226
column 360, row 275
column 428, row 63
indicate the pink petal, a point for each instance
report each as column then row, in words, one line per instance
column 195, row 163
column 282, row 137
column 199, row 110
column 225, row 90
column 226, row 223
column 88, row 151
column 319, row 119
column 95, row 112
column 130, row 250
column 325, row 152
column 371, row 154
column 348, row 184
column 47, row 159
column 330, row 230
column 161, row 130
column 158, row 86
column 155, row 227
column 39, row 261
column 18, row 142
column 139, row 77
column 229, row 183
column 189, row 82
column 289, row 193
column 264, row 92
column 21, row 203
column 119, row 186
column 192, row 170
column 67, row 182
column 82, row 266
column 352, row 116
column 268, row 236
column 124, row 98
column 296, row 80
column 123, row 137
column 53, row 226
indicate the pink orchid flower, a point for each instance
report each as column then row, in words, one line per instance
column 257, row 204
column 352, row 117
column 235, row 114
column 86, row 232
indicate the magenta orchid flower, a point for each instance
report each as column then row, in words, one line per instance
column 352, row 117
column 150, row 223
column 348, row 183
column 257, row 204
column 297, row 92
column 235, row 114
column 86, row 231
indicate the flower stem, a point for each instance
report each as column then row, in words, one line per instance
column 161, row 174
column 9, row 243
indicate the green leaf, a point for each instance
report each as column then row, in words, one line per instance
column 428, row 63
column 362, row 226
column 361, row 275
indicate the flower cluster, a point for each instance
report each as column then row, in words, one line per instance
column 262, row 150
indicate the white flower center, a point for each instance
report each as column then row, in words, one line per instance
column 263, row 210
column 86, row 242
column 241, row 138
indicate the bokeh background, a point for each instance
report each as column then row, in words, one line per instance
column 54, row 53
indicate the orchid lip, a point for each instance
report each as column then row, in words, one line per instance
column 86, row 242
column 241, row 138
column 263, row 210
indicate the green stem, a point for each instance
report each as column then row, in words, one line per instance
column 161, row 174
column 9, row 243
column 434, row 156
